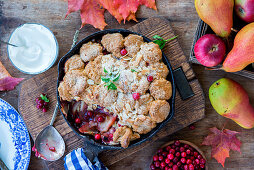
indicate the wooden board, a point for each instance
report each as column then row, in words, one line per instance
column 187, row 112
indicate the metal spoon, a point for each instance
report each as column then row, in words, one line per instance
column 49, row 143
column 8, row 43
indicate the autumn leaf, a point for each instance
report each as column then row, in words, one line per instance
column 92, row 11
column 222, row 141
column 7, row 82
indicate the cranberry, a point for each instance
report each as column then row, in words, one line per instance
column 185, row 167
column 44, row 109
column 161, row 158
column 167, row 168
column 188, row 161
column 173, row 146
column 186, row 146
column 155, row 158
column 168, row 148
column 40, row 102
column 202, row 161
column 195, row 154
column 77, row 121
column 199, row 157
column 183, row 160
column 182, row 149
column 150, row 78
column 177, row 143
column 167, row 160
column 163, row 164
column 97, row 137
column 170, row 164
column 172, row 151
column 38, row 106
column 196, row 167
column 135, row 96
column 175, row 160
column 45, row 103
column 53, row 149
column 100, row 119
column 170, row 156
column 157, row 164
column 188, row 151
column 164, row 154
column 191, row 167
column 192, row 127
column 123, row 52
column 37, row 99
column 192, row 157
column 197, row 161
column 183, row 154
column 152, row 167
column 202, row 166
column 160, row 150
column 90, row 114
column 175, row 167
column 178, row 164
column 178, row 154
column 177, row 148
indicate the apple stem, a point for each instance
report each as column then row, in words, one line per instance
column 235, row 30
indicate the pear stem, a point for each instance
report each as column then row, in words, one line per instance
column 213, row 68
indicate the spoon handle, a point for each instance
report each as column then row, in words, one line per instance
column 8, row 43
column 54, row 115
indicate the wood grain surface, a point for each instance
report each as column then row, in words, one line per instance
column 184, row 19
column 46, row 83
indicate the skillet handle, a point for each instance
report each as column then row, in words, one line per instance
column 182, row 84
column 91, row 150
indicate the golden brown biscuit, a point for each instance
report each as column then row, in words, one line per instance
column 158, row 70
column 90, row 51
column 63, row 92
column 159, row 110
column 143, row 124
column 93, row 70
column 74, row 63
column 132, row 44
column 151, row 52
column 123, row 135
column 75, row 81
column 113, row 43
column 103, row 96
column 143, row 105
column 161, row 89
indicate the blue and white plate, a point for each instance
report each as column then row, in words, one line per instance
column 15, row 147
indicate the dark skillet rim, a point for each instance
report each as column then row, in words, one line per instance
column 144, row 137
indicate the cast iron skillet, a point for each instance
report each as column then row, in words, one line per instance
column 90, row 143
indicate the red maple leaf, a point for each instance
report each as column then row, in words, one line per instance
column 222, row 141
column 92, row 11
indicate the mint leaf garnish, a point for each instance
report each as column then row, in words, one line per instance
column 160, row 41
column 132, row 70
column 44, row 98
column 106, row 80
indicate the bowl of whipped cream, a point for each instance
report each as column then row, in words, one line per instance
column 37, row 48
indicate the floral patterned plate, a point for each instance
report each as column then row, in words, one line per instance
column 15, row 147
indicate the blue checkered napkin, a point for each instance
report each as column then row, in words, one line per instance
column 77, row 160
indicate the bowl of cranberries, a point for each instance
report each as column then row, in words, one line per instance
column 179, row 155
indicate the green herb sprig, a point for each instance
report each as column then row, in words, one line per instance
column 160, row 41
column 110, row 78
column 44, row 98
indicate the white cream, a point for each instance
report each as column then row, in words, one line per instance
column 37, row 48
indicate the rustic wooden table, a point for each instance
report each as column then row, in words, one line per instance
column 182, row 15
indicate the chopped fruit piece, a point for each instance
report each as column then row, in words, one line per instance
column 100, row 119
column 53, row 149
column 135, row 96
column 108, row 122
column 97, row 137
column 84, row 128
column 150, row 78
column 77, row 121
column 123, row 52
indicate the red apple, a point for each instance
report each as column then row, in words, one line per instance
column 245, row 10
column 210, row 50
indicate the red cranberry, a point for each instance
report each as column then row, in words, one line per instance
column 188, row 151
column 167, row 168
column 160, row 150
column 161, row 158
column 41, row 102
column 37, row 99
column 177, row 143
column 183, row 160
column 150, row 78
column 155, row 158
column 170, row 164
column 186, row 146
column 202, row 166
column 191, row 167
column 168, row 148
column 152, row 167
column 164, row 154
column 192, row 157
column 183, row 154
column 170, row 156
column 77, row 121
column 90, row 114
column 175, row 167
column 199, row 157
column 178, row 154
column 173, row 146
column 123, row 52
column 175, row 160
column 185, row 167
column 196, row 167
column 45, row 103
column 191, row 149
column 44, row 109
column 100, row 119
column 195, row 154
column 177, row 148
column 202, row 161
column 163, row 164
column 135, row 96
column 172, row 151
column 157, row 164
column 97, row 137
column 197, row 161
column 188, row 161
column 192, row 127
column 178, row 164
column 38, row 106
column 167, row 160
column 182, row 149
column 53, row 149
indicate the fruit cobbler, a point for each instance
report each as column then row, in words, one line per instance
column 116, row 88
